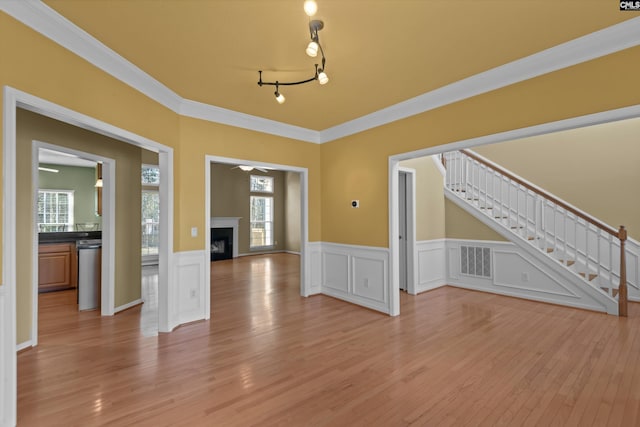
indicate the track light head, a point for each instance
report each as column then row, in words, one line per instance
column 323, row 78
column 279, row 97
column 312, row 49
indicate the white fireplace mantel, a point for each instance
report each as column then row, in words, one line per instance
column 228, row 222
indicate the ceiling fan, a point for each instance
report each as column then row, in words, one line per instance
column 247, row 168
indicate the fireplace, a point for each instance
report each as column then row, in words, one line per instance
column 221, row 243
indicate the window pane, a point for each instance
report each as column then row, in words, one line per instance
column 150, row 222
column 55, row 210
column 150, row 175
column 261, row 184
column 261, row 232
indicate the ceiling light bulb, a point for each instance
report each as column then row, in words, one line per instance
column 323, row 78
column 312, row 49
column 280, row 98
column 310, row 7
column 246, row 168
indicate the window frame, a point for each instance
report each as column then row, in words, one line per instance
column 270, row 178
column 70, row 207
column 271, row 222
column 150, row 184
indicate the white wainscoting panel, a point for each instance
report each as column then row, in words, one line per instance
column 357, row 274
column 431, row 265
column 190, row 275
column 516, row 273
column 633, row 269
column 314, row 268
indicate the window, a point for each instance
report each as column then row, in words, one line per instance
column 55, row 210
column 150, row 175
column 261, row 221
column 150, row 222
column 261, row 212
column 261, row 184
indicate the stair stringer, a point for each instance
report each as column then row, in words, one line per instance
column 571, row 280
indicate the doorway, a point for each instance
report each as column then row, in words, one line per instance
column 406, row 229
column 302, row 173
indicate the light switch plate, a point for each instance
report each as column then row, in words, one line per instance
column 194, row 231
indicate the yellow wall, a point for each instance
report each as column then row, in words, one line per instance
column 593, row 168
column 356, row 167
column 462, row 225
column 128, row 261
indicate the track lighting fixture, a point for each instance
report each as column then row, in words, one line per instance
column 314, row 46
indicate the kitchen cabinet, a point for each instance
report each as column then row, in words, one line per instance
column 57, row 266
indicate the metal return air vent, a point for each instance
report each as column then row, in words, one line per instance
column 475, row 261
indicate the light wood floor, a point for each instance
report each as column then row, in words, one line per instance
column 271, row 357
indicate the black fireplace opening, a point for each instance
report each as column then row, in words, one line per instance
column 221, row 243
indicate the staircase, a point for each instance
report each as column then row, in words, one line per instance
column 537, row 221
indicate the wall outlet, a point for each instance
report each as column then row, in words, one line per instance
column 193, row 293
column 525, row 277
column 194, row 231
column 355, row 203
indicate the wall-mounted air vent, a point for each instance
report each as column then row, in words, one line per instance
column 475, row 261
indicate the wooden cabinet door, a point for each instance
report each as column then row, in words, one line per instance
column 57, row 266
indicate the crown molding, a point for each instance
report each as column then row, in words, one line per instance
column 46, row 21
column 199, row 110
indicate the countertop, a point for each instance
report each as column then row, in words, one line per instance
column 68, row 236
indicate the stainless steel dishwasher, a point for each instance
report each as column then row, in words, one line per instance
column 89, row 273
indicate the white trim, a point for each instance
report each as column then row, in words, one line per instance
column 549, row 281
column 190, row 269
column 8, row 372
column 24, row 345
column 306, row 288
column 439, row 165
column 13, row 99
column 431, row 265
column 128, row 305
column 356, row 274
column 48, row 22
column 411, row 229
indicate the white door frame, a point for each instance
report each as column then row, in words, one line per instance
column 394, row 160
column 411, row 229
column 107, row 297
column 13, row 99
column 305, row 269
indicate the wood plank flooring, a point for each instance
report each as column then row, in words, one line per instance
column 271, row 357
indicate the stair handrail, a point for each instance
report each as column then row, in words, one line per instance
column 620, row 234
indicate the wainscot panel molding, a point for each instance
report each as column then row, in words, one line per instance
column 357, row 274
column 431, row 264
column 633, row 269
column 514, row 272
column 190, row 276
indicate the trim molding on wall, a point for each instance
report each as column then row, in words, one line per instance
column 513, row 270
column 357, row 274
column 46, row 21
column 431, row 265
column 190, row 270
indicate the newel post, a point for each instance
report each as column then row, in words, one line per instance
column 622, row 289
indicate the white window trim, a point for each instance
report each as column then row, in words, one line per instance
column 71, row 205
column 272, row 222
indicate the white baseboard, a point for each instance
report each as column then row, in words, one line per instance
column 357, row 274
column 128, row 305
column 24, row 345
